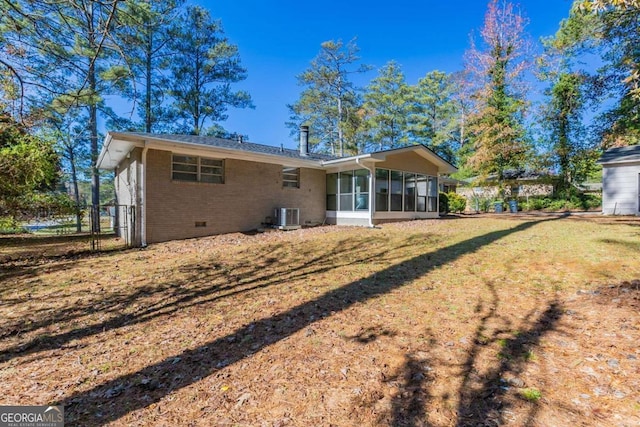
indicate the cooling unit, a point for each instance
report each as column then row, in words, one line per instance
column 287, row 218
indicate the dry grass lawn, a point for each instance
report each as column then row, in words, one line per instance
column 512, row 320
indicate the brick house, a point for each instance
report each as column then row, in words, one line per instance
column 183, row 186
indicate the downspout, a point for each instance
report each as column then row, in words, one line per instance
column 437, row 194
column 371, row 190
column 143, row 197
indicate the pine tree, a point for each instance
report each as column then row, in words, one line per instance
column 330, row 103
column 144, row 30
column 388, row 102
column 203, row 67
column 435, row 119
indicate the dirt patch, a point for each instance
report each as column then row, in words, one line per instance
column 469, row 321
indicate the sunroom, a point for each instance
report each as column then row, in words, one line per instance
column 369, row 189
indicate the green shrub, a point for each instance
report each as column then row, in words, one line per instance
column 534, row 203
column 575, row 202
column 480, row 204
column 457, row 203
column 9, row 225
column 485, row 204
column 443, row 203
column 558, row 205
column 585, row 201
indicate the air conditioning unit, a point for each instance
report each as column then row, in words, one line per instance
column 287, row 218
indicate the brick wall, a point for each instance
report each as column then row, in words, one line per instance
column 250, row 193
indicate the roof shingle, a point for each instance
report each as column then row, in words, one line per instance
column 234, row 145
column 630, row 153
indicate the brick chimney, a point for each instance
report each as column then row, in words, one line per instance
column 304, row 140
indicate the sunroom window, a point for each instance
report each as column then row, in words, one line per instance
column 361, row 179
column 396, row 191
column 348, row 190
column 433, row 194
column 382, row 190
column 409, row 192
column 421, row 184
column 405, row 192
column 332, row 192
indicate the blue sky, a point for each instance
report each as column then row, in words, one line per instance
column 277, row 40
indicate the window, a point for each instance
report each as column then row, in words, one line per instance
column 361, row 177
column 332, row 192
column 291, row 177
column 197, row 169
column 409, row 192
column 433, row 194
column 396, row 191
column 346, row 191
column 405, row 192
column 185, row 168
column 212, row 170
column 421, row 182
column 382, row 190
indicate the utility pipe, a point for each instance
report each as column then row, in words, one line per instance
column 143, row 196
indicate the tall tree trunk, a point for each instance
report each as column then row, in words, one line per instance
column 340, row 118
column 340, row 136
column 462, row 122
column 76, row 193
column 93, row 126
column 147, row 107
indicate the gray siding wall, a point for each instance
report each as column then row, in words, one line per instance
column 620, row 189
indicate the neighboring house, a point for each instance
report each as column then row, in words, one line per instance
column 516, row 183
column 449, row 185
column 183, row 186
column 621, row 181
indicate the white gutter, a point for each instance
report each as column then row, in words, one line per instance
column 346, row 160
column 143, row 197
column 371, row 189
column 105, row 148
column 618, row 162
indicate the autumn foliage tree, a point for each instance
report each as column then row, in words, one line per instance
column 497, row 67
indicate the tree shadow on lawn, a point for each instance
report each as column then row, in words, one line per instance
column 115, row 398
column 482, row 394
column 408, row 406
column 483, row 391
column 30, row 249
column 30, row 266
column 206, row 282
column 633, row 246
